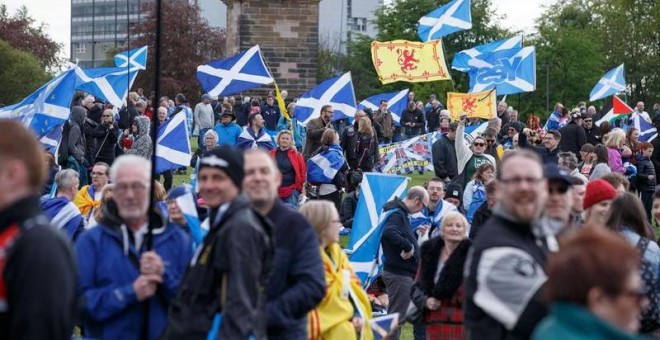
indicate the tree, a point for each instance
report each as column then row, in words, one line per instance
column 20, row 74
column 187, row 41
column 22, row 33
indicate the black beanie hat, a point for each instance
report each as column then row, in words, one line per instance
column 227, row 159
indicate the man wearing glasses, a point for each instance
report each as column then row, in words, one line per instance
column 506, row 270
column 470, row 158
column 88, row 197
column 549, row 152
column 315, row 129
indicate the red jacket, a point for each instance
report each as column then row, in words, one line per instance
column 299, row 166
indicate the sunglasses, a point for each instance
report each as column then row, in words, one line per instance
column 479, row 144
column 558, row 189
column 587, row 120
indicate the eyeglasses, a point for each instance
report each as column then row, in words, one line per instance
column 328, row 111
column 490, row 141
column 558, row 189
column 125, row 187
column 587, row 120
column 478, row 144
column 99, row 174
column 519, row 180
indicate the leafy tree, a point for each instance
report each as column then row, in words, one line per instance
column 20, row 74
column 21, row 32
column 187, row 41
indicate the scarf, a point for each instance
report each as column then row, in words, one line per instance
column 84, row 200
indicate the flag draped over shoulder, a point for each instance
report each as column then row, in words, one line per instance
column 508, row 71
column 237, row 73
column 462, row 58
column 476, row 104
column 248, row 140
column 396, row 103
column 402, row 60
column 369, row 221
column 173, row 150
column 611, row 83
column 46, row 109
column 453, row 17
column 323, row 167
column 337, row 91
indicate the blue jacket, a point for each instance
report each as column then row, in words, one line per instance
column 228, row 134
column 107, row 270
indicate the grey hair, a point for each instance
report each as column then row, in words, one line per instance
column 211, row 133
column 416, row 192
column 568, row 159
column 131, row 161
column 495, row 120
column 64, row 179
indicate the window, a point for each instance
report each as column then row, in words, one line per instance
column 81, row 48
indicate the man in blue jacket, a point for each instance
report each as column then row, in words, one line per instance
column 63, row 214
column 297, row 282
column 400, row 248
column 121, row 281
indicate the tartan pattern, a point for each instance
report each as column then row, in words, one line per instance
column 446, row 322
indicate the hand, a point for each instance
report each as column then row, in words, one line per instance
column 145, row 286
column 422, row 230
column 652, row 177
column 151, row 263
column 406, row 255
column 358, row 323
column 125, row 132
column 526, row 131
column 432, row 303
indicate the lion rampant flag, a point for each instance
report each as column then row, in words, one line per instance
column 476, row 104
column 402, row 60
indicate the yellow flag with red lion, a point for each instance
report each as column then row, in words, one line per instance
column 402, row 60
column 476, row 104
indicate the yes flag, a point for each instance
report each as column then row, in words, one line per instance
column 402, row 60
column 508, row 71
column 452, row 17
column 364, row 245
column 46, row 109
column 173, row 149
column 110, row 84
column 477, row 104
column 337, row 91
column 396, row 103
column 135, row 59
column 237, row 73
column 462, row 58
column 612, row 82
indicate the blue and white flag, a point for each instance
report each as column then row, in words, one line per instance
column 364, row 248
column 110, row 84
column 173, row 149
column 647, row 132
column 612, row 82
column 462, row 58
column 446, row 19
column 396, row 103
column 46, row 109
column 248, row 140
column 385, row 325
column 508, row 71
column 238, row 73
column 186, row 203
column 337, row 92
column 323, row 167
column 135, row 59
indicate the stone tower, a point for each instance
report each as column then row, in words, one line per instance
column 287, row 32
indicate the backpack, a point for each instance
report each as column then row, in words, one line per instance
column 650, row 316
column 63, row 149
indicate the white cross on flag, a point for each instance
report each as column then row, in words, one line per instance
column 337, row 92
column 238, row 73
column 452, row 17
column 612, row 82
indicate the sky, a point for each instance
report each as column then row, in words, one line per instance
column 56, row 14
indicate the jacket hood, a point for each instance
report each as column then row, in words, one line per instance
column 142, row 123
column 396, row 203
column 78, row 115
column 111, row 220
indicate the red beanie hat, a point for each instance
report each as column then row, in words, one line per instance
column 597, row 191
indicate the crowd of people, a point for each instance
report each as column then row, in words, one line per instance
column 523, row 232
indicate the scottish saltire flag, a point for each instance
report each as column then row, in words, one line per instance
column 323, row 167
column 238, row 73
column 173, row 149
column 396, row 103
column 509, row 71
column 337, row 91
column 364, row 248
column 446, row 19
column 188, row 208
column 46, row 109
column 383, row 326
column 647, row 132
column 135, row 59
column 110, row 84
column 248, row 140
column 612, row 82
column 462, row 58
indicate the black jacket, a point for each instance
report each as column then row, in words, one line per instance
column 417, row 118
column 445, row 163
column 482, row 214
column 398, row 236
column 593, row 135
column 655, row 157
column 366, row 149
column 645, row 169
column 572, row 138
column 39, row 275
column 236, row 254
column 106, row 141
column 348, row 141
column 507, row 264
column 433, row 119
column 126, row 116
column 546, row 155
column 348, row 206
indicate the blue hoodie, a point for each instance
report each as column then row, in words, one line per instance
column 64, row 215
column 107, row 269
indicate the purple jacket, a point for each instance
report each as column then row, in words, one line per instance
column 616, row 164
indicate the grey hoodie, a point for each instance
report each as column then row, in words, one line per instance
column 76, row 140
column 142, row 146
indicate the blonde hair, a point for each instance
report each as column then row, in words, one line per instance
column 615, row 137
column 364, row 126
column 452, row 216
column 284, row 132
column 319, row 214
